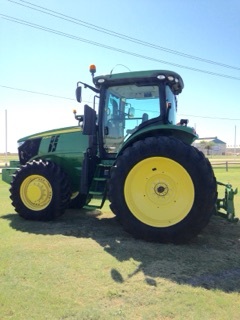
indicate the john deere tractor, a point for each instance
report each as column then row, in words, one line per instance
column 127, row 148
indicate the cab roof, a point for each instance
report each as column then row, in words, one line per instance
column 171, row 78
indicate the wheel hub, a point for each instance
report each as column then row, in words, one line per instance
column 161, row 189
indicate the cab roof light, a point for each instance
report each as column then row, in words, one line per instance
column 101, row 80
column 170, row 78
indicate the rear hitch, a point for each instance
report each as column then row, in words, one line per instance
column 227, row 203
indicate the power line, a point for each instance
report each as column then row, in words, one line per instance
column 59, row 15
column 32, row 25
column 61, row 97
column 207, row 117
column 36, row 92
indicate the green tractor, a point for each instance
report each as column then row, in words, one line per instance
column 127, row 148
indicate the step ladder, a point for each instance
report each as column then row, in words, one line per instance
column 98, row 189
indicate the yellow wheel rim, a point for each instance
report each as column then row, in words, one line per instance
column 36, row 192
column 159, row 192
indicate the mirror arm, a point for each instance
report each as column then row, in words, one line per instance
column 88, row 86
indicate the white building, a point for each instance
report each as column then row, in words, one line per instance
column 211, row 145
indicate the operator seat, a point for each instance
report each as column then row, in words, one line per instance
column 145, row 117
column 114, row 123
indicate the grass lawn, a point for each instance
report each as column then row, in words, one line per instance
column 84, row 266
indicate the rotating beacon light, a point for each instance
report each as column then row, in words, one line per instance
column 92, row 69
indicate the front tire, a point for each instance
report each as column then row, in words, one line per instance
column 162, row 190
column 78, row 200
column 40, row 191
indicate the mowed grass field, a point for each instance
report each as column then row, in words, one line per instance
column 84, row 266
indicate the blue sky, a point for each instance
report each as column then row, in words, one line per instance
column 39, row 61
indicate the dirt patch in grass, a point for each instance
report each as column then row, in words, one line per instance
column 211, row 261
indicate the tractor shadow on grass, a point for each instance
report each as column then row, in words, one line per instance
column 211, row 261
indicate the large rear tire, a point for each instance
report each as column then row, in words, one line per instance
column 40, row 191
column 163, row 190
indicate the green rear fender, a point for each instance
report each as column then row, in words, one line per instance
column 183, row 133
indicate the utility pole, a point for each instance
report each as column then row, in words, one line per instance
column 235, row 135
column 6, row 139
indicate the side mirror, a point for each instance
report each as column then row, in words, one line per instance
column 89, row 121
column 79, row 94
column 131, row 112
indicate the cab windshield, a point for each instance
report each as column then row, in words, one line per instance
column 126, row 108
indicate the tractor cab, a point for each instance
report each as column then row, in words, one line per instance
column 129, row 104
column 128, row 108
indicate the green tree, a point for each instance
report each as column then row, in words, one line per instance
column 207, row 145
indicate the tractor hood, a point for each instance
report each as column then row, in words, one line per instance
column 53, row 143
column 51, row 133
